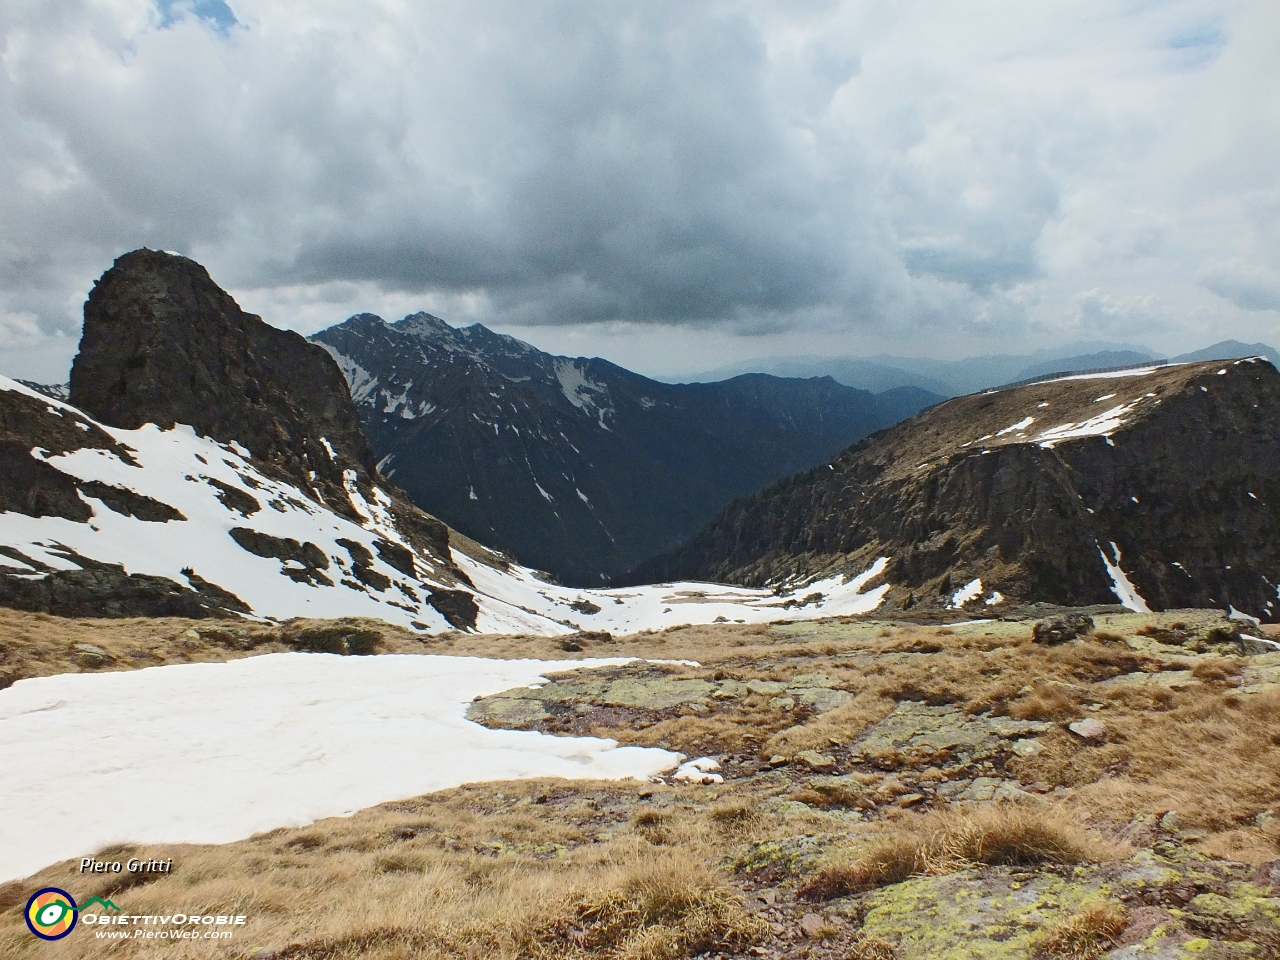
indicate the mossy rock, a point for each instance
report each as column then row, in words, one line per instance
column 337, row 638
column 917, row 726
column 787, row 857
column 1181, row 905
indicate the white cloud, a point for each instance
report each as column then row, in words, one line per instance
column 19, row 330
column 1246, row 284
column 843, row 172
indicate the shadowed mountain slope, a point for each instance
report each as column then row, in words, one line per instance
column 1157, row 487
column 577, row 466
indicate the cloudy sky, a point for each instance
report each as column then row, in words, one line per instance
column 673, row 185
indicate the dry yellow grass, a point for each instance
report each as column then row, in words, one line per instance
column 512, row 870
column 999, row 835
column 1206, row 752
column 1085, row 935
column 549, row 869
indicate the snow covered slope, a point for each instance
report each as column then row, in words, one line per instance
column 205, row 525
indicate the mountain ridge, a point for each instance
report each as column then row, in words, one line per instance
column 1158, row 484
column 953, row 378
column 576, row 465
column 161, row 518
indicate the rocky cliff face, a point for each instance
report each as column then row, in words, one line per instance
column 1157, row 487
column 164, row 344
column 577, row 466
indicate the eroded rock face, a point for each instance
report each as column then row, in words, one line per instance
column 1042, row 492
column 164, row 344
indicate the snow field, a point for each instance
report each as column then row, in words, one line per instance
column 215, row 752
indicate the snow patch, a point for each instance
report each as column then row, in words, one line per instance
column 1018, row 427
column 701, row 770
column 361, row 381
column 398, row 402
column 1234, row 614
column 215, row 752
column 581, row 391
column 1109, row 375
column 970, row 591
column 1102, row 425
column 1125, row 591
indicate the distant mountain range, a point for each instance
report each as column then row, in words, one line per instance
column 574, row 465
column 1155, row 487
column 208, row 464
column 954, row 378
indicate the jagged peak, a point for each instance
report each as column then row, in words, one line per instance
column 423, row 324
column 478, row 331
column 360, row 320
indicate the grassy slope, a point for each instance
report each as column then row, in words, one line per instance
column 554, row 869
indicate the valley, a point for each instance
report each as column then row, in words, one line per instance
column 1000, row 679
column 576, row 466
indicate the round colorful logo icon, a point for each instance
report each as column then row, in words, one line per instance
column 51, row 913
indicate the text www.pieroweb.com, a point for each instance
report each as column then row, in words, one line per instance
column 178, row 926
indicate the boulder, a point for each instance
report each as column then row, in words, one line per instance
column 91, row 655
column 1061, row 629
column 815, row 761
column 1089, row 730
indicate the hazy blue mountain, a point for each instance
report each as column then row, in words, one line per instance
column 1230, row 350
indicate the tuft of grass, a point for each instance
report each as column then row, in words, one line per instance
column 889, row 861
column 735, row 816
column 652, row 824
column 1002, row 835
column 1108, row 637
column 870, row 948
column 657, row 909
column 1085, row 935
column 835, row 796
column 1047, row 701
column 1217, row 669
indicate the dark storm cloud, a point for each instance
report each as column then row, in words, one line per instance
column 635, row 168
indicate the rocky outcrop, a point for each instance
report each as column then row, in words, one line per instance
column 258, row 456
column 164, row 344
column 1157, row 487
column 577, row 466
